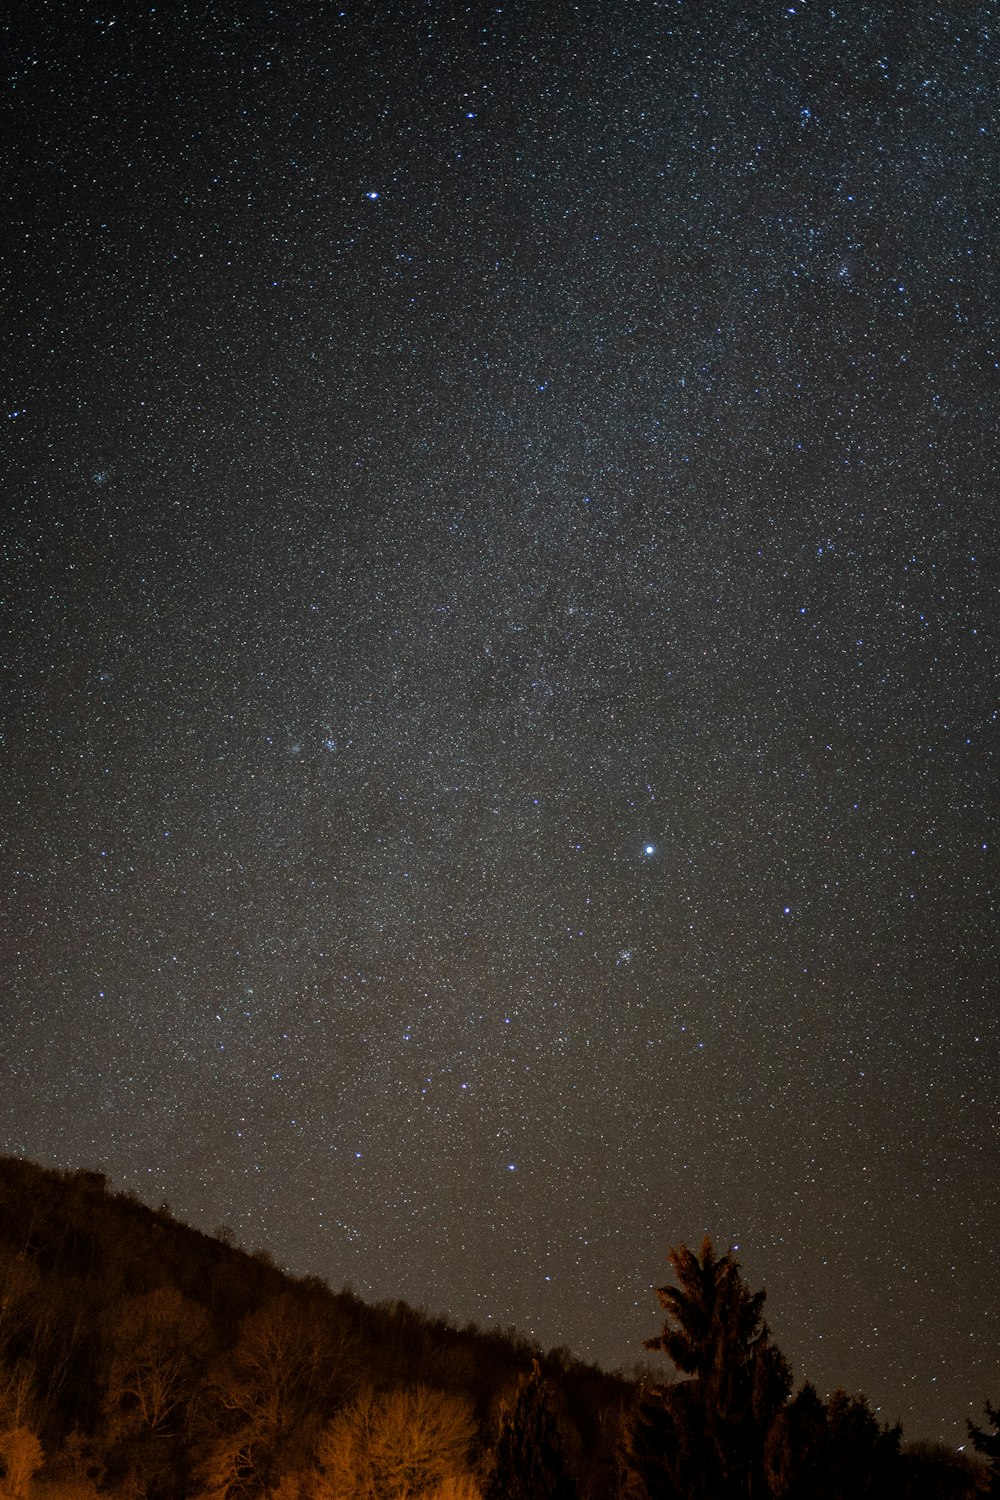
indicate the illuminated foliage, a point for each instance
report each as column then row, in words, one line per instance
column 397, row 1445
column 21, row 1455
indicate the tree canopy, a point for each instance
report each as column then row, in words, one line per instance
column 718, row 1419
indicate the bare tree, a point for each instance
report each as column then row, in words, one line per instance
column 400, row 1445
column 21, row 1455
column 261, row 1407
column 157, row 1343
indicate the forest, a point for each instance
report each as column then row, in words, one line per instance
column 142, row 1358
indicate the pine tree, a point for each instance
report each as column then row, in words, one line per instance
column 529, row 1462
column 719, row 1418
column 834, row 1450
column 988, row 1443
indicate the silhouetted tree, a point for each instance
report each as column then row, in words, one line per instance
column 933, row 1471
column 988, row 1444
column 863, row 1455
column 529, row 1462
column 832, row 1451
column 648, row 1446
column 714, row 1424
column 796, row 1447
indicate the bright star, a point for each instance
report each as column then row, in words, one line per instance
column 649, row 849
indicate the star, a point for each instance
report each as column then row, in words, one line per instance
column 364, row 666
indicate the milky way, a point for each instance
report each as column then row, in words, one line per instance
column 500, row 694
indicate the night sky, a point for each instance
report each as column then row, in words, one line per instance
column 500, row 695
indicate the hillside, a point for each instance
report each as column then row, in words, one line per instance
column 142, row 1358
column 149, row 1358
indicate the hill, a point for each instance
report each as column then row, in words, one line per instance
column 147, row 1358
column 142, row 1358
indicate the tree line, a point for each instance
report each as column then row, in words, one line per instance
column 142, row 1360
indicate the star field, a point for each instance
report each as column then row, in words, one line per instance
column 500, row 696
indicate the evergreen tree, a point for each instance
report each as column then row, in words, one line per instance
column 653, row 1462
column 988, row 1443
column 863, row 1456
column 936, row 1471
column 797, row 1447
column 833, row 1450
column 717, row 1420
column 529, row 1463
